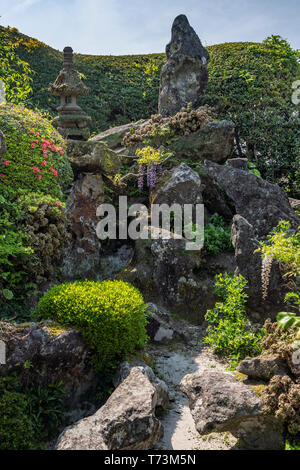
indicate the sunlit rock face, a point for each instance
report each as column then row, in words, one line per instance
column 184, row 76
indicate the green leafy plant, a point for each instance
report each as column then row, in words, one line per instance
column 16, row 427
column 29, row 417
column 46, row 409
column 111, row 315
column 229, row 332
column 252, row 169
column 14, row 72
column 217, row 235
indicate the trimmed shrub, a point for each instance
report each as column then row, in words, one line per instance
column 35, row 159
column 111, row 315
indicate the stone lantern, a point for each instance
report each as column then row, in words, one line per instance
column 72, row 122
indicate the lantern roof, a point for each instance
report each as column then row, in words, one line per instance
column 68, row 81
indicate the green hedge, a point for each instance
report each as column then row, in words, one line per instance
column 111, row 315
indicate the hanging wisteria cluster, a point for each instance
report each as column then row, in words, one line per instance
column 149, row 165
column 152, row 172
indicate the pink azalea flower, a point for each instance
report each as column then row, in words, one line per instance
column 6, row 163
column 35, row 169
column 33, row 146
column 31, row 131
column 57, row 203
column 40, row 177
column 44, row 162
column 54, row 172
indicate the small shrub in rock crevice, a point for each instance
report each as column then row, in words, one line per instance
column 229, row 332
column 110, row 314
column 217, row 235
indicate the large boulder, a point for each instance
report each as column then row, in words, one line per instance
column 2, row 146
column 263, row 367
column 214, row 199
column 214, row 141
column 218, row 403
column 249, row 265
column 127, row 421
column 181, row 186
column 93, row 157
column 261, row 203
column 82, row 258
column 184, row 75
column 45, row 353
column 124, row 369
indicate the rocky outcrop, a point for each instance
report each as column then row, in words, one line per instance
column 97, row 158
column 263, row 367
column 2, row 146
column 261, row 203
column 184, row 75
column 45, row 353
column 181, row 186
column 113, row 137
column 218, row 402
column 83, row 257
column 127, row 421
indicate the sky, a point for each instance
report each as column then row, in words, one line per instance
column 116, row 27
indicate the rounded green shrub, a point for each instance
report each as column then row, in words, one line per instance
column 35, row 159
column 111, row 315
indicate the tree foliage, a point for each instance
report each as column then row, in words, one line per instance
column 14, row 72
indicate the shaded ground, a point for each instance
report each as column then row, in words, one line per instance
column 172, row 363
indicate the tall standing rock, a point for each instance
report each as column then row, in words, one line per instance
column 184, row 75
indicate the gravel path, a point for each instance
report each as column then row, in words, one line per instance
column 172, row 363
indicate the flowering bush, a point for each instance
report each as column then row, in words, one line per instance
column 35, row 159
column 111, row 315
